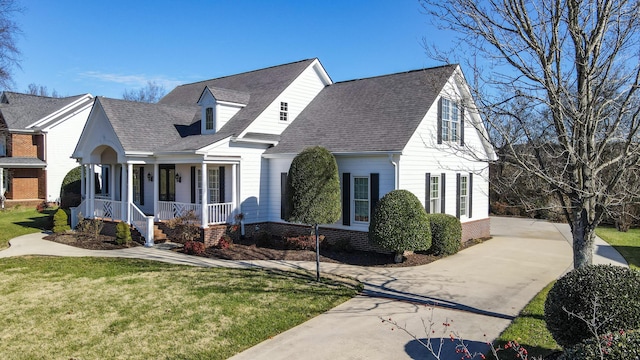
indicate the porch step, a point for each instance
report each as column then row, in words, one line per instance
column 158, row 235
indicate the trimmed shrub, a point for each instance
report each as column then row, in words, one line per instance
column 60, row 222
column 224, row 242
column 71, row 188
column 613, row 290
column 617, row 345
column 446, row 233
column 186, row 227
column 194, row 248
column 123, row 233
column 399, row 223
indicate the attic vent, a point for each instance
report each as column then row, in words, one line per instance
column 284, row 111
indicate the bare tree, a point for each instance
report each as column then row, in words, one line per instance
column 9, row 30
column 151, row 93
column 41, row 90
column 558, row 88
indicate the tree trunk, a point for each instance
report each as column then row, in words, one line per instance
column 583, row 241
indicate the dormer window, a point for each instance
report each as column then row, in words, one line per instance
column 209, row 119
column 284, row 111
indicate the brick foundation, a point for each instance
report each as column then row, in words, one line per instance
column 212, row 234
column 476, row 229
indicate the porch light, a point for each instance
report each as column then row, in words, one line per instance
column 178, row 178
column 149, row 177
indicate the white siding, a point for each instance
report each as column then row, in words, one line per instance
column 61, row 140
column 356, row 166
column 298, row 95
column 423, row 155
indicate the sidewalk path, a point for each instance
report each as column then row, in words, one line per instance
column 481, row 289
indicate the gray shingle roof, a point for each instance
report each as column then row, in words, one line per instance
column 22, row 110
column 237, row 97
column 373, row 114
column 144, row 126
column 263, row 86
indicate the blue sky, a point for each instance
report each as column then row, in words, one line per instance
column 105, row 47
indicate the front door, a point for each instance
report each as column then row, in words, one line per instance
column 167, row 190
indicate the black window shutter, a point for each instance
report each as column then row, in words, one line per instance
column 283, row 196
column 470, row 194
column 346, row 199
column 374, row 192
column 439, row 135
column 461, row 125
column 427, row 192
column 141, row 180
column 458, row 196
column 443, row 192
column 221, row 177
column 193, row 184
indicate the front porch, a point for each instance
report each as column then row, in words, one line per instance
column 143, row 194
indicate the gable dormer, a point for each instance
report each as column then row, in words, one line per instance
column 218, row 106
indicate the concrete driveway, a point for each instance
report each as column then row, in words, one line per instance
column 479, row 291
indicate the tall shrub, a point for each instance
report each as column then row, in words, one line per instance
column 70, row 190
column 123, row 233
column 446, row 233
column 313, row 191
column 399, row 224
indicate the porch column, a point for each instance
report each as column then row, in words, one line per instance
column 234, row 190
column 129, row 191
column 156, row 190
column 92, row 190
column 112, row 181
column 83, row 189
column 205, row 201
column 123, row 194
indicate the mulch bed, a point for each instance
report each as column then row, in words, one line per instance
column 248, row 250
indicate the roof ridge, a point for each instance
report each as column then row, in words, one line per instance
column 397, row 73
column 247, row 72
column 44, row 96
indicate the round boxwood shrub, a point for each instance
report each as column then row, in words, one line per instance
column 446, row 233
column 614, row 290
column 617, row 345
column 399, row 223
column 60, row 222
column 123, row 233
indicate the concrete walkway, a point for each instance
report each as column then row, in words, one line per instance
column 480, row 290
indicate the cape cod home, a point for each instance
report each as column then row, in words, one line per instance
column 37, row 137
column 222, row 147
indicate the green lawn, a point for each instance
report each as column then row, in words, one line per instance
column 20, row 221
column 627, row 243
column 99, row 308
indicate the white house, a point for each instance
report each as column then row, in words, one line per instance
column 222, row 147
column 37, row 137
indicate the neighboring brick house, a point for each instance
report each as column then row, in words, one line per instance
column 222, row 147
column 37, row 136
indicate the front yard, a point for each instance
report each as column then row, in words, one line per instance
column 20, row 221
column 94, row 308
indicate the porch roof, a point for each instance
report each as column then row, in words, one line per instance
column 21, row 162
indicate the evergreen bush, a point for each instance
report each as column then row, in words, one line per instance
column 123, row 233
column 613, row 346
column 399, row 223
column 60, row 222
column 614, row 291
column 446, row 233
column 71, row 188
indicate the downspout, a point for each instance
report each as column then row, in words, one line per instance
column 396, row 172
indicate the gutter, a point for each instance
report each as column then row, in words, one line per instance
column 396, row 177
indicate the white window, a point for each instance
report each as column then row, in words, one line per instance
column 361, row 198
column 213, row 185
column 284, row 111
column 450, row 120
column 434, row 195
column 209, row 119
column 464, row 195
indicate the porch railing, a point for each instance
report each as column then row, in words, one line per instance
column 75, row 211
column 220, row 213
column 170, row 209
column 107, row 209
column 142, row 223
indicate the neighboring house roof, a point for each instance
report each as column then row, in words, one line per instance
column 374, row 114
column 21, row 111
column 21, row 162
